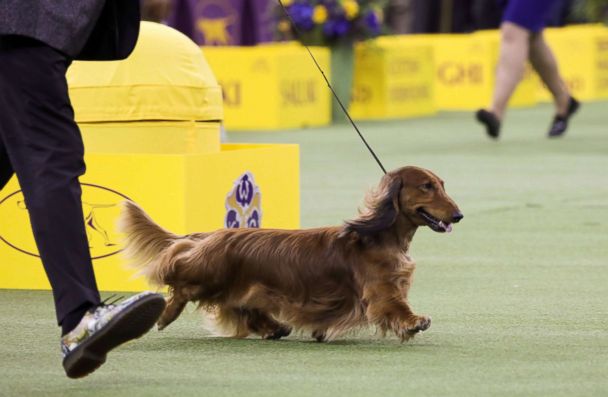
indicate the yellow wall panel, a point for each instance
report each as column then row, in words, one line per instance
column 393, row 78
column 271, row 86
column 463, row 72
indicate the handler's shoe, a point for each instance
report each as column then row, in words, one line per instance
column 105, row 327
column 490, row 121
column 559, row 125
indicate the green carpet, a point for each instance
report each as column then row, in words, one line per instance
column 518, row 292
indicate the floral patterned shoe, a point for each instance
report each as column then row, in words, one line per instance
column 105, row 327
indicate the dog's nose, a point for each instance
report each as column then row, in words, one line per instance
column 457, row 217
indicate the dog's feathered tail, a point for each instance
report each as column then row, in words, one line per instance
column 146, row 243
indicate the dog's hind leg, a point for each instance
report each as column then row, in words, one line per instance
column 240, row 322
column 264, row 325
column 175, row 305
column 231, row 321
column 256, row 305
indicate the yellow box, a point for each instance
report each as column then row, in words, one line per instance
column 582, row 55
column 272, row 86
column 163, row 137
column 151, row 128
column 392, row 78
column 184, row 193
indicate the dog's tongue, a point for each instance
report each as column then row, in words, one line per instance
column 447, row 228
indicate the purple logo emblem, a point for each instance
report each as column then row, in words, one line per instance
column 244, row 203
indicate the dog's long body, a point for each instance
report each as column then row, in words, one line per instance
column 325, row 280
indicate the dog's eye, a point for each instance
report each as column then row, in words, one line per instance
column 427, row 187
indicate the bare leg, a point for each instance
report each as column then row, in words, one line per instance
column 514, row 50
column 544, row 63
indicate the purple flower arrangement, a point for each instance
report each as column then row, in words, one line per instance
column 329, row 22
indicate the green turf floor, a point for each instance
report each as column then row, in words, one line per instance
column 518, row 292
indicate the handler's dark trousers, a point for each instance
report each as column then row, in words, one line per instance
column 41, row 143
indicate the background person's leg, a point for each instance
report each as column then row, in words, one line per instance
column 45, row 149
column 544, row 63
column 514, row 49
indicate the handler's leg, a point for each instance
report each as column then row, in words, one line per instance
column 46, row 151
column 6, row 169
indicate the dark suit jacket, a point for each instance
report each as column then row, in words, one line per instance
column 82, row 29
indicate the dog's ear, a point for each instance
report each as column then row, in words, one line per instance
column 382, row 208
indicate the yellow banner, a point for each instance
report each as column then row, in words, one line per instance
column 272, row 86
column 392, row 78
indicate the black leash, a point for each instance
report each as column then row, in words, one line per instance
column 299, row 34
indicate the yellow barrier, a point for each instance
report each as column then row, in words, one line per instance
column 276, row 86
column 463, row 72
column 392, row 78
column 272, row 86
column 582, row 54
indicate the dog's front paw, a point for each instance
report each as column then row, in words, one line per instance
column 414, row 325
column 422, row 323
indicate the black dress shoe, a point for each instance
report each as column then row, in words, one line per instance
column 490, row 121
column 560, row 123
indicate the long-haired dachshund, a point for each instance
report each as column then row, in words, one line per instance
column 325, row 281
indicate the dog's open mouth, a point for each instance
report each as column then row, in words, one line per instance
column 434, row 223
